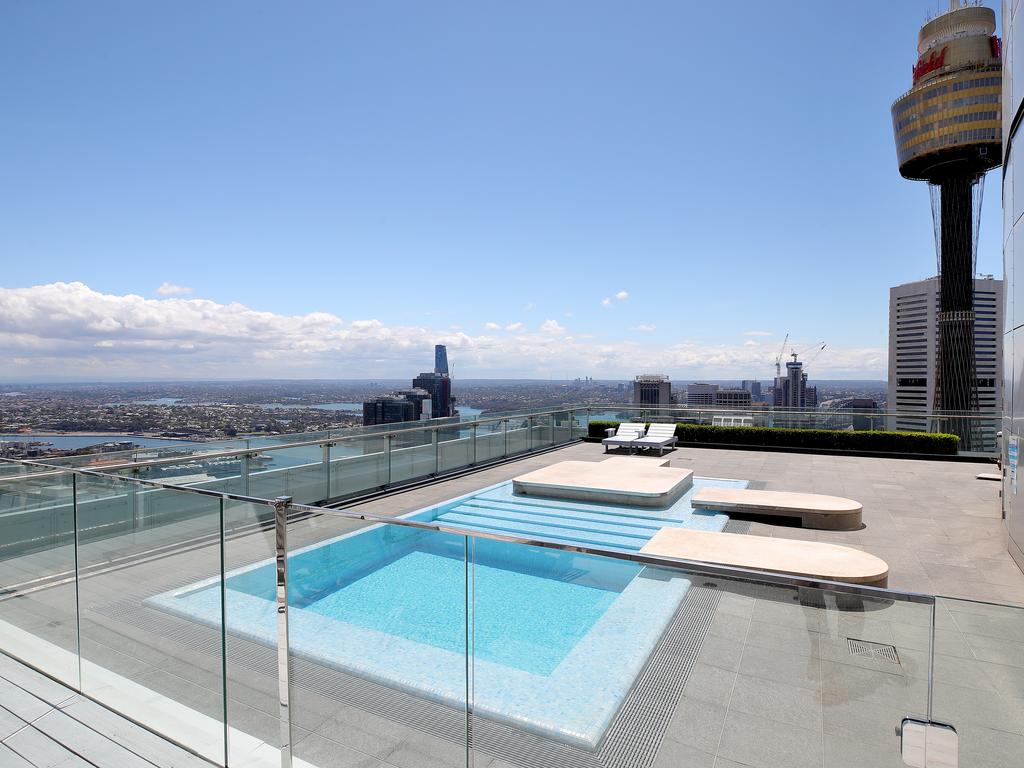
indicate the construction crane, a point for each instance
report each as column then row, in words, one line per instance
column 778, row 359
column 821, row 348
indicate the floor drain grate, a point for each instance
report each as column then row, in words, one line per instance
column 867, row 649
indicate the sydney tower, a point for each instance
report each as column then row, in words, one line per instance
column 948, row 133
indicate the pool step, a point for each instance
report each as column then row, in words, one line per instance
column 566, row 518
column 534, row 502
column 569, row 523
column 477, row 523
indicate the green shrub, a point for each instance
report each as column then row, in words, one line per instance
column 833, row 439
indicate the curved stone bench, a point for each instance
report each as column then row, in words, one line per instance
column 812, row 559
column 830, row 513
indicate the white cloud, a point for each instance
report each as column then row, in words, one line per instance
column 758, row 333
column 529, row 307
column 68, row 330
column 170, row 289
column 552, row 326
column 750, row 343
column 646, row 327
column 622, row 295
column 492, row 326
column 606, row 302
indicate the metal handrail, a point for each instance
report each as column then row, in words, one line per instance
column 384, row 434
column 698, row 566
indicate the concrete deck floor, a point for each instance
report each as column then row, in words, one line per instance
column 774, row 684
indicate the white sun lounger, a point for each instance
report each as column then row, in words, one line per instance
column 658, row 436
column 624, row 436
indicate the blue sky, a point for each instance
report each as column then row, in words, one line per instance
column 341, row 184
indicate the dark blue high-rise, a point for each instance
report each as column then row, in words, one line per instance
column 440, row 359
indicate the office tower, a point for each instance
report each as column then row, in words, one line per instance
column 698, row 394
column 439, row 386
column 733, row 398
column 914, row 354
column 1013, row 268
column 421, row 399
column 441, row 359
column 652, row 389
column 947, row 130
column 791, row 390
column 388, row 409
column 754, row 388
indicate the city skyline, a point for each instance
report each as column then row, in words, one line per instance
column 144, row 276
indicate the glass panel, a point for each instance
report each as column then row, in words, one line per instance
column 543, row 430
column 150, row 597
column 377, row 631
column 359, row 465
column 299, row 472
column 979, row 678
column 253, row 711
column 562, row 426
column 412, row 455
column 38, row 605
column 490, row 441
column 588, row 656
column 518, row 434
column 455, row 448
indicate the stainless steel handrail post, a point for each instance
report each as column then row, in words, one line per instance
column 327, row 469
column 244, row 472
column 435, row 439
column 281, row 504
column 472, row 435
column 390, row 438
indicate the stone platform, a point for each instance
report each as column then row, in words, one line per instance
column 634, row 482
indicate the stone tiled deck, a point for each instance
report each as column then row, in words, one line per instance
column 773, row 684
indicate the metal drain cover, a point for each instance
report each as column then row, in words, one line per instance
column 867, row 649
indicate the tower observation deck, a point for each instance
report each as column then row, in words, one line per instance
column 948, row 130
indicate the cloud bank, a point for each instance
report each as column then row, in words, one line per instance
column 69, row 331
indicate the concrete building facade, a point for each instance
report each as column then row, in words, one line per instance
column 914, row 354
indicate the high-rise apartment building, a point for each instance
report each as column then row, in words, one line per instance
column 388, row 409
column 441, row 359
column 440, row 388
column 652, row 389
column 947, row 130
column 914, row 353
column 791, row 391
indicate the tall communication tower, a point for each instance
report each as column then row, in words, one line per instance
column 948, row 133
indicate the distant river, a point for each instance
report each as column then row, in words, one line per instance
column 68, row 442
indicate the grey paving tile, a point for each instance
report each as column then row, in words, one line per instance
column 9, row 723
column 779, row 701
column 697, row 724
column 42, row 751
column 158, row 751
column 790, row 668
column 710, row 684
column 90, row 745
column 9, row 759
column 673, row 754
column 764, row 743
column 20, row 702
column 848, row 751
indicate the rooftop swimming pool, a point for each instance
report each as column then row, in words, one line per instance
column 555, row 639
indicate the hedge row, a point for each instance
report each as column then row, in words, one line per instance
column 835, row 439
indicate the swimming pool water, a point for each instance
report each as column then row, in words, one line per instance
column 521, row 620
column 555, row 638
